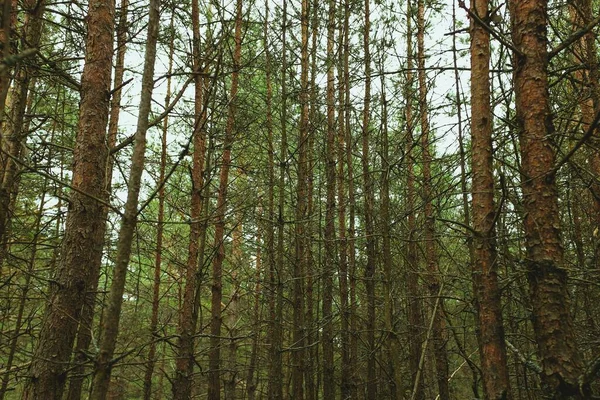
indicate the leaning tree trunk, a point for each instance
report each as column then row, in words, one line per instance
column 82, row 244
column 84, row 333
column 561, row 362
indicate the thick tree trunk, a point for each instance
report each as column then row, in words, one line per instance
column 84, row 333
column 112, row 313
column 82, row 244
column 561, row 361
column 488, row 302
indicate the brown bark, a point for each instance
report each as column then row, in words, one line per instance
column 214, row 357
column 439, row 334
column 111, row 315
column 84, row 333
column 560, row 358
column 487, row 296
column 82, row 244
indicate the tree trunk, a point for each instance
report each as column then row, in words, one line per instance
column 330, row 245
column 415, row 305
column 214, row 363
column 84, row 333
column 561, row 361
column 82, row 244
column 487, row 296
column 188, row 318
column 111, row 315
column 431, row 255
column 154, row 334
column 369, row 199
column 300, row 255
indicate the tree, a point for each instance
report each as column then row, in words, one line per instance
column 82, row 244
column 487, row 296
column 552, row 323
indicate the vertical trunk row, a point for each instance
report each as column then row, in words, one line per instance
column 561, row 361
column 82, row 244
column 214, row 357
column 431, row 255
column 111, row 316
column 415, row 316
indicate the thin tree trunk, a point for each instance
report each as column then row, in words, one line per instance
column 431, row 255
column 415, row 305
column 83, row 241
column 154, row 334
column 275, row 387
column 251, row 380
column 111, row 315
column 300, row 260
column 560, row 358
column 345, row 367
column 463, row 184
column 369, row 199
column 214, row 363
column 330, row 245
column 391, row 343
column 188, row 319
column 487, row 296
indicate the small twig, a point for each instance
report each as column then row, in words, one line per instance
column 528, row 363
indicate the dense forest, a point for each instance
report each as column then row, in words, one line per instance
column 277, row 199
